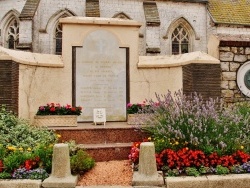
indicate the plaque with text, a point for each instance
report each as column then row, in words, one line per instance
column 100, row 76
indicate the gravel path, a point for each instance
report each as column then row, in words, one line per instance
column 108, row 173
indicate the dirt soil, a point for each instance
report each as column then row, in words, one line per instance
column 108, row 173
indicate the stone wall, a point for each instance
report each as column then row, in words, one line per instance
column 232, row 56
column 49, row 11
column 7, row 7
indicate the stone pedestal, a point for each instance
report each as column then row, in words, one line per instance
column 147, row 174
column 61, row 174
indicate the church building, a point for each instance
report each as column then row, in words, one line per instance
column 218, row 29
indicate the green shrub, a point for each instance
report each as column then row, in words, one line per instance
column 19, row 133
column 81, row 162
column 5, row 175
column 221, row 170
column 15, row 159
column 192, row 171
column 45, row 154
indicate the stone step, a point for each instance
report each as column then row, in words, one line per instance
column 108, row 151
column 112, row 132
column 104, row 143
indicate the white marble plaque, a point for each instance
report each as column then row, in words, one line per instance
column 101, row 76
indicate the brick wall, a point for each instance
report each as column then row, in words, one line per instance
column 203, row 79
column 9, row 78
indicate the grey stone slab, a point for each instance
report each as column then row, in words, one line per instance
column 101, row 76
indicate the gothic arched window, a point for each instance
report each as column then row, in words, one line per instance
column 13, row 34
column 180, row 41
column 58, row 38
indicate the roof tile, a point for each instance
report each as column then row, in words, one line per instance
column 29, row 9
column 230, row 11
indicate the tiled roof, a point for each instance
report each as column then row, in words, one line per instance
column 230, row 11
column 29, row 9
column 189, row 1
column 92, row 8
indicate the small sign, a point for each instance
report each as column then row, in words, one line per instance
column 99, row 116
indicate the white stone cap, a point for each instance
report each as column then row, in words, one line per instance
column 99, row 21
column 176, row 60
column 29, row 58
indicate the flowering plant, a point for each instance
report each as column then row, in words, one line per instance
column 57, row 109
column 140, row 108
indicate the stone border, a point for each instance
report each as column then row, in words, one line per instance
column 218, row 181
column 25, row 183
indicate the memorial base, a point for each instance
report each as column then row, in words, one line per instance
column 65, row 182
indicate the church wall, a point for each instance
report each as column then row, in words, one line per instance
column 194, row 13
column 44, row 22
column 5, row 7
column 45, row 19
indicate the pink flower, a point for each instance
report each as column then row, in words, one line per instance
column 41, row 108
column 129, row 105
column 67, row 106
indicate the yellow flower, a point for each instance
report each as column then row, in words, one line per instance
column 58, row 136
column 162, row 140
column 241, row 147
column 20, row 149
column 176, row 143
column 149, row 138
column 11, row 148
column 28, row 149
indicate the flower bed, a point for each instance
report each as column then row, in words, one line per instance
column 195, row 137
column 26, row 151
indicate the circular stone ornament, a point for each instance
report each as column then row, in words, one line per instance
column 243, row 78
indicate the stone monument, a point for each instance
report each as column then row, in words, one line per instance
column 100, row 67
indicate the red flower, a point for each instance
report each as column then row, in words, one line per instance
column 52, row 109
column 1, row 165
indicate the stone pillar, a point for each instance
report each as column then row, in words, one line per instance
column 147, row 174
column 61, row 174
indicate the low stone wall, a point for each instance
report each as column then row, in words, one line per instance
column 20, row 183
column 234, row 180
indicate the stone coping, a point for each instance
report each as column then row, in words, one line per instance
column 25, row 183
column 210, row 181
column 168, row 61
column 100, row 21
column 29, row 58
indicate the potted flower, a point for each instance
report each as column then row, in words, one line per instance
column 137, row 112
column 57, row 115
